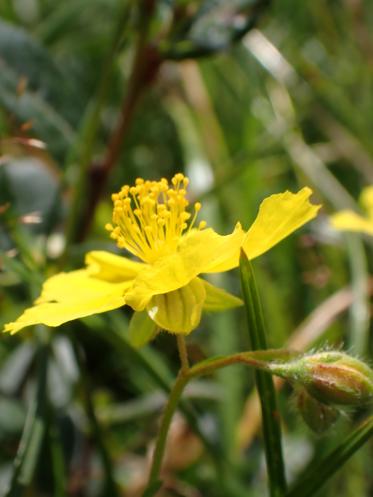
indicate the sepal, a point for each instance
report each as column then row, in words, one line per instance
column 141, row 329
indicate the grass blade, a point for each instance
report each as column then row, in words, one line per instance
column 270, row 421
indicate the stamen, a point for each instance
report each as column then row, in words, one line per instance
column 197, row 208
column 150, row 218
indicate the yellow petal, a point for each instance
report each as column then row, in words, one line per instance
column 350, row 221
column 227, row 251
column 179, row 311
column 196, row 252
column 218, row 299
column 278, row 216
column 111, row 267
column 69, row 296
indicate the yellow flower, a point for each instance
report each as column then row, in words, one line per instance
column 348, row 220
column 151, row 220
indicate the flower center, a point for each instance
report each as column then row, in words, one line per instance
column 150, row 217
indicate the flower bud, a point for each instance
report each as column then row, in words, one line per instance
column 317, row 415
column 331, row 377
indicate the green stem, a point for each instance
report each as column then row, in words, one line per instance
column 170, row 408
column 173, row 400
column 327, row 467
column 183, row 353
column 264, row 382
column 257, row 359
column 142, row 359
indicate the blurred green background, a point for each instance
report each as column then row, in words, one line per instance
column 247, row 98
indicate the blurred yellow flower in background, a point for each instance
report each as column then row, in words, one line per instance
column 348, row 220
column 151, row 221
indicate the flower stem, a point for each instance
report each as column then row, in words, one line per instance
column 258, row 359
column 270, row 419
column 183, row 353
column 170, row 408
column 144, row 359
column 173, row 400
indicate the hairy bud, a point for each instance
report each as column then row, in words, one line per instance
column 331, row 377
column 317, row 415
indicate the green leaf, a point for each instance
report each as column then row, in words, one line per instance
column 141, row 329
column 34, row 89
column 264, row 382
column 48, row 124
column 218, row 299
column 26, row 58
column 31, row 187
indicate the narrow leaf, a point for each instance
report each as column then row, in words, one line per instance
column 271, row 425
